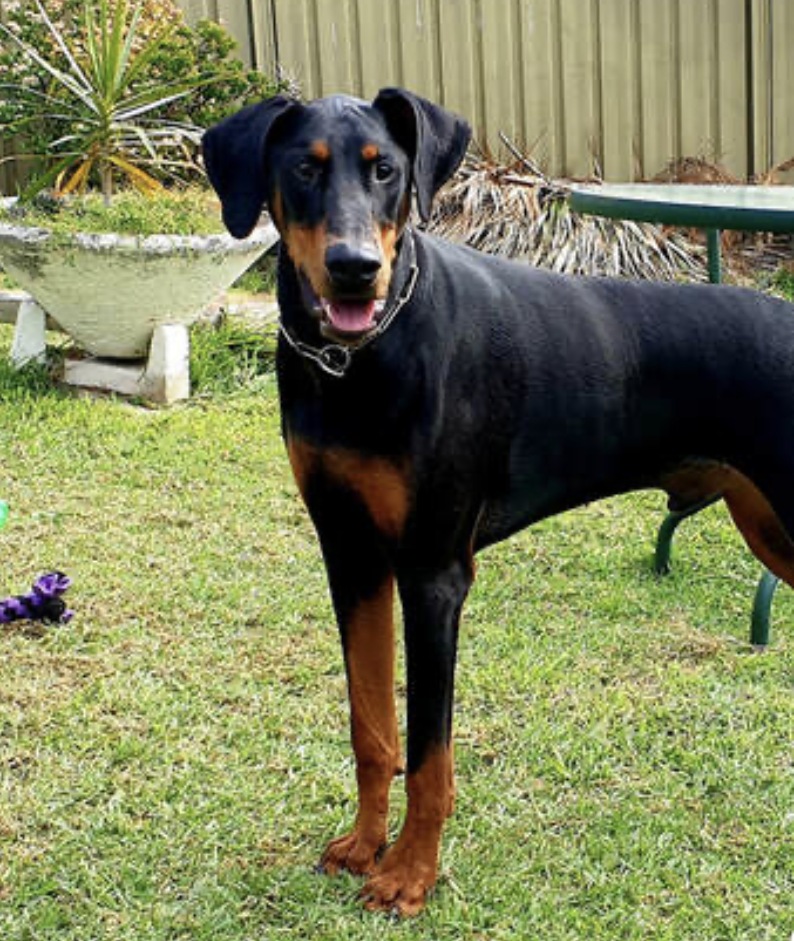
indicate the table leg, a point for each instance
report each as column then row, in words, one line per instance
column 664, row 540
column 759, row 632
column 715, row 261
column 764, row 593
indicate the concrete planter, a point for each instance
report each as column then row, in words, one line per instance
column 110, row 292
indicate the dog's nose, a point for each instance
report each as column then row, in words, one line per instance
column 352, row 267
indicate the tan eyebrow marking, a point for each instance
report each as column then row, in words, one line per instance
column 369, row 151
column 320, row 150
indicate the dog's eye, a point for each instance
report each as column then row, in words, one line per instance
column 383, row 171
column 306, row 171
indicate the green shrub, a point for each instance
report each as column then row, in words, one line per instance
column 92, row 88
column 207, row 49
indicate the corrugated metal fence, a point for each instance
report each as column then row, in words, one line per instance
column 621, row 85
column 625, row 85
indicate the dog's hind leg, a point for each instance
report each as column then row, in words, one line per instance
column 760, row 525
column 752, row 511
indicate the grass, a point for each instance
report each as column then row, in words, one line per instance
column 231, row 357
column 173, row 761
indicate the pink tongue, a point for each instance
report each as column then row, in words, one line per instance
column 351, row 318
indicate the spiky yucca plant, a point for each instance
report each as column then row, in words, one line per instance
column 98, row 90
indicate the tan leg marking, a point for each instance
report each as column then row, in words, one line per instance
column 409, row 869
column 376, row 742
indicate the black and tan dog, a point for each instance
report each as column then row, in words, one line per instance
column 436, row 400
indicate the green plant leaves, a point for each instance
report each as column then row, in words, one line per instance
column 107, row 88
column 68, row 69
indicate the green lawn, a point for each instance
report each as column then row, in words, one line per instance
column 173, row 761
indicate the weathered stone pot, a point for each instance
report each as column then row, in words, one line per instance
column 110, row 292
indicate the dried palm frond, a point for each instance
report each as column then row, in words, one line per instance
column 700, row 170
column 697, row 170
column 772, row 175
column 518, row 212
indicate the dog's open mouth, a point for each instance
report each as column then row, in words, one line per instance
column 351, row 318
column 348, row 319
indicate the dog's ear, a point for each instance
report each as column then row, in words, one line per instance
column 234, row 155
column 435, row 140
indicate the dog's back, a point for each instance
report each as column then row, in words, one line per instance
column 589, row 387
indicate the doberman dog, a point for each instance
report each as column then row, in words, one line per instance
column 436, row 400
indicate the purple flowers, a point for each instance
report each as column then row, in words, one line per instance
column 42, row 603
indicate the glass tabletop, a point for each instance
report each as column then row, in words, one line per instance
column 761, row 208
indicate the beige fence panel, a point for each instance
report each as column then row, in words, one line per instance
column 772, row 64
column 460, row 85
column 248, row 22
column 781, row 83
column 298, row 49
column 616, row 86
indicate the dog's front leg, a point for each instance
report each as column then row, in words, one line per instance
column 367, row 631
column 356, row 525
column 431, row 608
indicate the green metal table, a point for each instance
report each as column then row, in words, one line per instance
column 712, row 208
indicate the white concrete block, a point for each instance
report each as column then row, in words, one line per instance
column 106, row 375
column 30, row 342
column 164, row 378
column 168, row 369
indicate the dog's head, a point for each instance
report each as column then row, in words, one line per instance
column 337, row 176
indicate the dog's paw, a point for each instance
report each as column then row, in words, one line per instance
column 354, row 852
column 399, row 884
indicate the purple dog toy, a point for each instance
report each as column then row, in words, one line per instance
column 42, row 603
